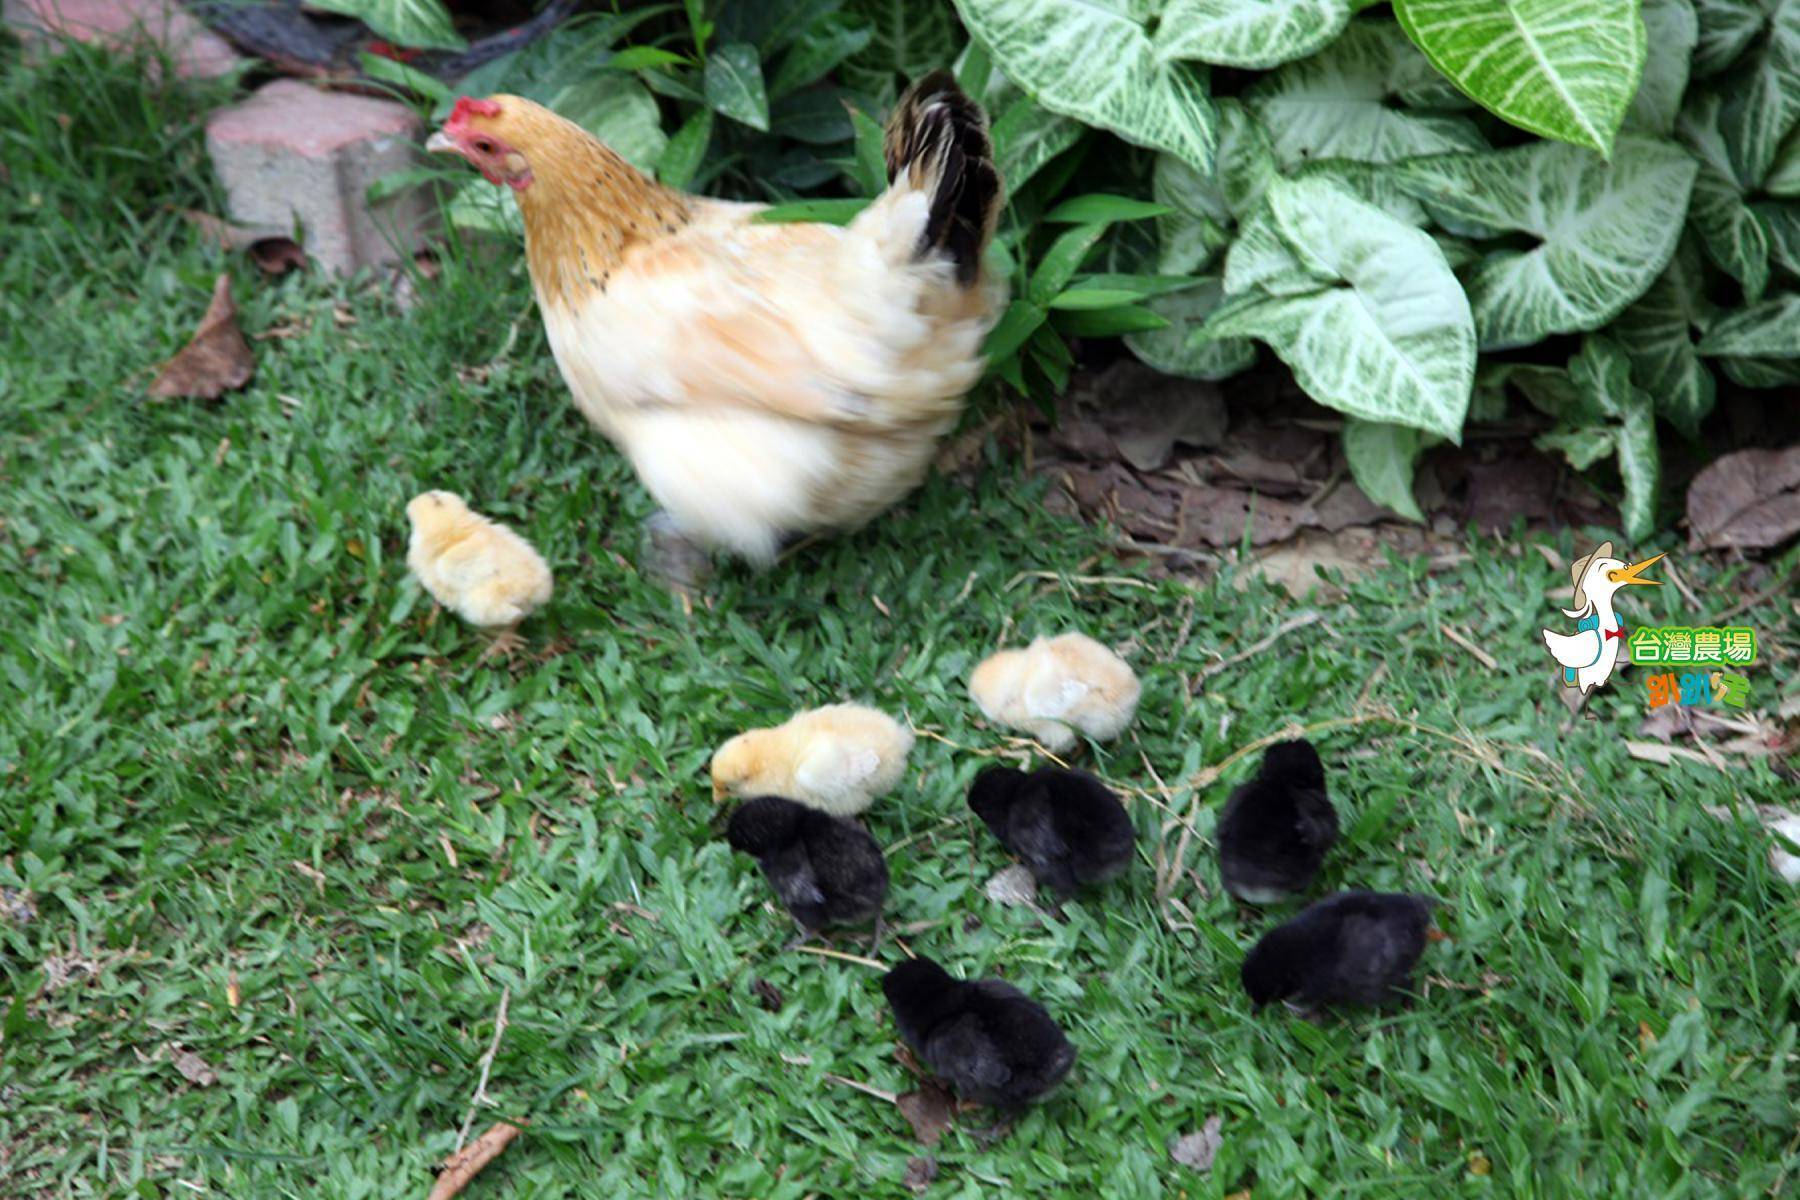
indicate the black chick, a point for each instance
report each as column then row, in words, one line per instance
column 992, row 1043
column 1351, row 948
column 827, row 870
column 1276, row 828
column 1066, row 826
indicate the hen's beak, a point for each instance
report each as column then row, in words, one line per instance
column 1630, row 574
column 439, row 143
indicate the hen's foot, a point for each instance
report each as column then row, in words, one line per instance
column 674, row 559
column 505, row 644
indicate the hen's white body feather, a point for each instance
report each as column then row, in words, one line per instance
column 769, row 379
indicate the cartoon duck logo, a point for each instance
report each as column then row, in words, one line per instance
column 1589, row 654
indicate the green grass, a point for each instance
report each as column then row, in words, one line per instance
column 219, row 688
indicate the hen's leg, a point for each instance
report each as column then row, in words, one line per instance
column 503, row 643
column 674, row 558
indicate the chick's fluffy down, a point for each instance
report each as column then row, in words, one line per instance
column 479, row 569
column 836, row 759
column 1057, row 686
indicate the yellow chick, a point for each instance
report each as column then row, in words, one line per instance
column 836, row 759
column 479, row 569
column 1057, row 686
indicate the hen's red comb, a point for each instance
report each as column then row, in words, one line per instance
column 468, row 106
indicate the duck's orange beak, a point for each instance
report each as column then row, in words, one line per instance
column 1630, row 574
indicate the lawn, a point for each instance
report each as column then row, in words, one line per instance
column 261, row 804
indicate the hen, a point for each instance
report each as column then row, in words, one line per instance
column 766, row 380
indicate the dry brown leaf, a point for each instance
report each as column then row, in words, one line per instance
column 929, row 1110
column 277, row 255
column 1294, row 565
column 193, row 1068
column 1749, row 500
column 1198, row 1149
column 919, row 1174
column 466, row 1163
column 217, row 359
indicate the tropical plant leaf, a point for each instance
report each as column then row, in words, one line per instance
column 1026, row 136
column 1248, row 33
column 1338, row 103
column 1783, row 178
column 1176, row 350
column 1564, row 69
column 1197, row 225
column 910, row 39
column 1382, row 456
column 1761, row 372
column 1094, row 60
column 1246, row 159
column 619, row 111
column 1727, row 27
column 1658, row 334
column 1767, row 330
column 813, row 58
column 1672, row 30
column 1606, row 230
column 423, row 24
column 1362, row 308
column 1762, row 92
column 681, row 158
column 1372, row 185
column 1736, row 239
column 734, row 85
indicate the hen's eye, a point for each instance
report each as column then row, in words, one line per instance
column 485, row 146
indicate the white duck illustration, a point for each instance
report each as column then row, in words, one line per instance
column 1589, row 654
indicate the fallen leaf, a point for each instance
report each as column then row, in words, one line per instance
column 217, row 360
column 1479, row 1164
column 1646, row 1036
column 1147, row 413
column 465, row 1164
column 929, row 1110
column 919, row 1174
column 768, row 995
column 1013, row 886
column 194, row 1069
column 277, row 255
column 1295, row 565
column 1198, row 1149
column 1749, row 500
column 234, row 995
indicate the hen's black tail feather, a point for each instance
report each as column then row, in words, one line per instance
column 939, row 138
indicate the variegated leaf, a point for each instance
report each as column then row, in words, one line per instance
column 1762, row 92
column 1257, row 34
column 1606, row 230
column 1673, row 31
column 1564, row 69
column 1658, row 334
column 1176, row 350
column 1381, row 457
column 1336, row 104
column 1767, row 330
column 1094, row 60
column 1362, row 308
column 1734, row 236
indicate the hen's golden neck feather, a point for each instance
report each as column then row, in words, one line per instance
column 585, row 205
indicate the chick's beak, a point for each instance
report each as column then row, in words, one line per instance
column 439, row 143
column 1630, row 574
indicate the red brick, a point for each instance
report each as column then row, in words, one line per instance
column 196, row 50
column 293, row 154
